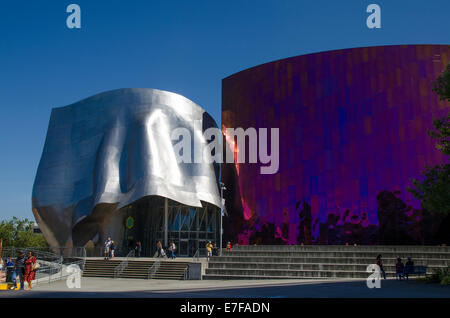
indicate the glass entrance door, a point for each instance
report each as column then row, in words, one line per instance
column 184, row 248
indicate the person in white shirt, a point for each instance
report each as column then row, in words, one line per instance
column 108, row 243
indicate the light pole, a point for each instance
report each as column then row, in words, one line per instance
column 222, row 187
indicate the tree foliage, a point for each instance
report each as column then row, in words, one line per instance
column 434, row 189
column 19, row 233
column 442, row 84
column 441, row 134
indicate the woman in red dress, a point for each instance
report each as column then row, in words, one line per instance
column 30, row 274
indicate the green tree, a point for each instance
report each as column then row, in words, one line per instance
column 441, row 134
column 19, row 233
column 434, row 189
column 442, row 84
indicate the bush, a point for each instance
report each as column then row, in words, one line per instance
column 445, row 280
column 440, row 275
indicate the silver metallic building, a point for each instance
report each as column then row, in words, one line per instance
column 108, row 168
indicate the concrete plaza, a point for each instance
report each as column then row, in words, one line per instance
column 100, row 287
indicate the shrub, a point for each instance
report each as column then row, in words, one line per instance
column 440, row 275
column 445, row 280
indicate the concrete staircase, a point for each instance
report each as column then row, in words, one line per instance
column 171, row 270
column 318, row 262
column 100, row 268
column 135, row 269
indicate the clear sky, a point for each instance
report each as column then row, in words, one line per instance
column 182, row 46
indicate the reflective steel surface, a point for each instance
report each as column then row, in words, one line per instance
column 111, row 149
column 353, row 132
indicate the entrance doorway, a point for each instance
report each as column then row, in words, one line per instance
column 188, row 227
column 184, row 248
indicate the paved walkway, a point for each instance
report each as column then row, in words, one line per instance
column 101, row 287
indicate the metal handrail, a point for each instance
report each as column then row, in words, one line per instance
column 185, row 274
column 200, row 253
column 12, row 251
column 196, row 255
column 52, row 265
column 153, row 269
column 119, row 269
column 53, row 271
column 84, row 258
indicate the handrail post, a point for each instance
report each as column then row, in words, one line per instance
column 153, row 269
column 119, row 269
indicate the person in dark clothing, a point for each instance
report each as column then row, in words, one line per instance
column 409, row 266
column 380, row 264
column 9, row 270
column 138, row 249
column 19, row 268
column 215, row 250
column 112, row 248
column 399, row 269
column 409, row 262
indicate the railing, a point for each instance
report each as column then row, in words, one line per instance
column 119, row 269
column 153, row 269
column 95, row 251
column 13, row 252
column 53, row 262
column 48, row 272
column 196, row 255
column 99, row 251
column 186, row 273
column 203, row 252
column 73, row 255
column 51, row 272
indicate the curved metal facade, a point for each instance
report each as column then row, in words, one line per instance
column 109, row 150
column 353, row 131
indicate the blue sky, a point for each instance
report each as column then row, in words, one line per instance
column 182, row 46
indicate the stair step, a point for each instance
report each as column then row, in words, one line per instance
column 134, row 269
column 318, row 262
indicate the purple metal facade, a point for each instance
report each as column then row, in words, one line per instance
column 353, row 126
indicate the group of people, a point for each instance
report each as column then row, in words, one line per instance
column 170, row 249
column 109, row 248
column 213, row 250
column 401, row 270
column 23, row 267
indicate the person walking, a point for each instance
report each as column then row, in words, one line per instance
column 399, row 269
column 19, row 268
column 229, row 246
column 159, row 249
column 380, row 265
column 30, row 269
column 171, row 249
